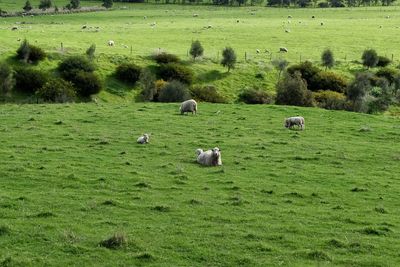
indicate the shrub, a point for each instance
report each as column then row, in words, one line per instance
column 30, row 80
column 174, row 71
column 292, row 90
column 280, row 65
column 45, row 4
column 7, row 80
column 23, row 51
column 327, row 59
column 90, row 51
column 323, row 4
column 369, row 58
column 147, row 82
column 165, row 58
column 196, row 50
column 207, row 93
column 383, row 61
column 255, row 96
column 357, row 89
column 27, row 7
column 330, row 100
column 307, row 71
column 325, row 80
column 174, row 91
column 36, row 54
column 388, row 73
column 107, row 3
column 70, row 66
column 87, row 83
column 57, row 91
column 128, row 72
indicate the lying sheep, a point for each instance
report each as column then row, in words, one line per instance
column 210, row 157
column 144, row 139
column 292, row 121
column 188, row 106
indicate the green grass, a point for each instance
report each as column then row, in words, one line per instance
column 76, row 189
column 347, row 31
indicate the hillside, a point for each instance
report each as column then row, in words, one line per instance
column 73, row 175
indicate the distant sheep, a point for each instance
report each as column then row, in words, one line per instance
column 14, row 28
column 322, row 24
column 210, row 157
column 258, row 51
column 110, row 43
column 283, row 49
column 292, row 121
column 84, row 27
column 188, row 106
column 153, row 24
column 144, row 139
column 195, row 15
column 289, row 17
column 287, row 30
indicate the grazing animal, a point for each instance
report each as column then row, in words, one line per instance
column 195, row 15
column 292, row 121
column 258, row 51
column 188, row 106
column 144, row 139
column 110, row 43
column 287, row 30
column 283, row 49
column 84, row 27
column 289, row 17
column 210, row 157
column 14, row 28
column 153, row 24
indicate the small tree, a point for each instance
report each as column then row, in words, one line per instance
column 44, row 4
column 147, row 82
column 280, row 65
column 358, row 89
column 57, row 91
column 196, row 50
column 23, row 51
column 107, row 3
column 327, row 59
column 90, row 51
column 228, row 58
column 27, row 7
column 7, row 80
column 292, row 90
column 370, row 58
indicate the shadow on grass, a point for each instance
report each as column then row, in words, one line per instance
column 212, row 75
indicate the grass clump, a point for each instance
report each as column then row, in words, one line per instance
column 117, row 240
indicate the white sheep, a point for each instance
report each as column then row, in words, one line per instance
column 144, row 139
column 195, row 15
column 283, row 49
column 188, row 106
column 292, row 121
column 210, row 157
column 110, row 43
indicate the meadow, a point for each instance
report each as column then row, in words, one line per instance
column 73, row 176
column 347, row 31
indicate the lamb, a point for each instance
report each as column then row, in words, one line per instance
column 283, row 49
column 110, row 43
column 144, row 139
column 210, row 157
column 188, row 106
column 299, row 121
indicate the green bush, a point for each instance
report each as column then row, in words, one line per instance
column 70, row 66
column 388, row 73
column 57, row 91
column 292, row 90
column 174, row 91
column 308, row 72
column 207, row 93
column 128, row 72
column 30, row 80
column 255, row 96
column 147, row 83
column 165, row 58
column 383, row 61
column 30, row 53
column 7, row 80
column 44, row 4
column 174, row 71
column 87, row 83
column 325, row 80
column 331, row 100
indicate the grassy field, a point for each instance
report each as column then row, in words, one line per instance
column 72, row 176
column 347, row 31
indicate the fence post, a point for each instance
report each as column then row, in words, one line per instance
column 131, row 50
column 392, row 57
column 300, row 58
column 62, row 47
column 245, row 56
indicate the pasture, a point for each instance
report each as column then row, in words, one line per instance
column 73, row 175
column 347, row 31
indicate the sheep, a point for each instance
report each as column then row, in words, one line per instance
column 290, row 122
column 84, row 27
column 188, row 106
column 110, row 43
column 210, row 157
column 258, row 51
column 153, row 24
column 144, row 17
column 287, row 30
column 322, row 24
column 195, row 15
column 283, row 49
column 289, row 17
column 144, row 139
column 14, row 28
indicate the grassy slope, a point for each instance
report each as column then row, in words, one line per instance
column 72, row 175
column 346, row 31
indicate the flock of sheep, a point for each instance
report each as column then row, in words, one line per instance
column 212, row 157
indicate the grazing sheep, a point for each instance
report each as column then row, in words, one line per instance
column 292, row 121
column 289, row 17
column 188, row 106
column 258, row 51
column 283, row 49
column 110, row 43
column 210, row 157
column 144, row 139
column 153, row 24
column 14, row 28
column 195, row 15
column 287, row 30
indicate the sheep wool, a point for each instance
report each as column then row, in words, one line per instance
column 210, row 157
column 188, row 106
